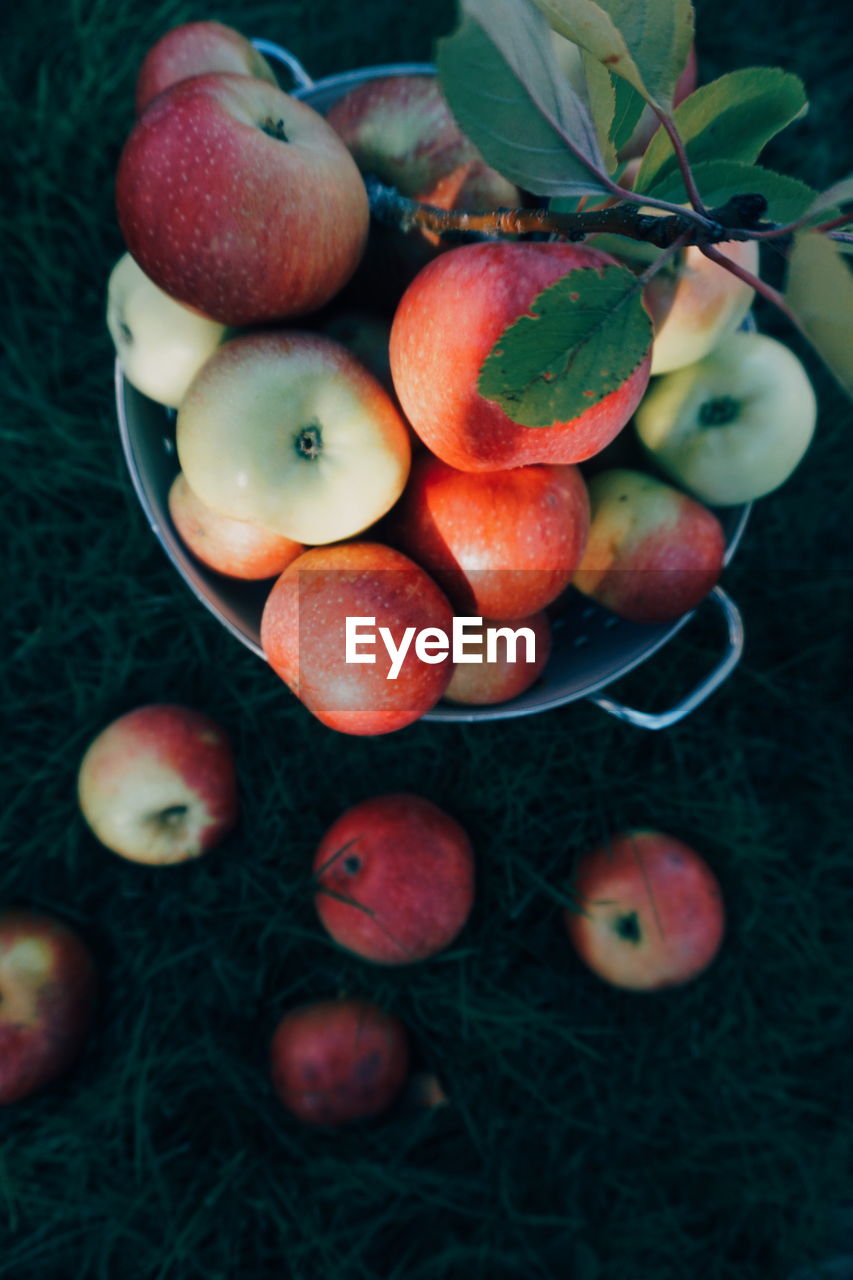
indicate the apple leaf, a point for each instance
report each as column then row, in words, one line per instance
column 627, row 111
column 719, row 180
column 602, row 103
column 501, row 78
column 819, row 291
column 588, row 332
column 644, row 41
column 731, row 118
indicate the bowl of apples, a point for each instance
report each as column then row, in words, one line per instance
column 317, row 467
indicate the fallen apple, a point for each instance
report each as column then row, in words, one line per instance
column 240, row 200
column 288, row 430
column 158, row 785
column 307, row 634
column 733, row 426
column 236, row 548
column 501, row 544
column 653, row 552
column 47, row 1000
column 650, row 912
column 160, row 343
column 193, row 49
column 336, row 1061
column 447, row 322
column 510, row 669
column 395, row 879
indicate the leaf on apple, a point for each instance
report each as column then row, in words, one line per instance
column 500, row 76
column 731, row 118
column 588, row 332
column 819, row 291
column 644, row 41
column 718, row 180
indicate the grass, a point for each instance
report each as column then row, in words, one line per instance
column 591, row 1134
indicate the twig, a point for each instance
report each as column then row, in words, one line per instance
column 681, row 156
column 760, row 286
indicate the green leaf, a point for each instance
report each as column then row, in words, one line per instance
column 819, row 291
column 626, row 115
column 729, row 119
column 602, row 103
column 588, row 332
column 500, row 76
column 644, row 41
column 719, row 180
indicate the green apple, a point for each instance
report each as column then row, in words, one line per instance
column 290, row 431
column 733, row 426
column 160, row 343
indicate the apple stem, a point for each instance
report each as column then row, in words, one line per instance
column 172, row 817
column 683, row 163
column 628, row 927
column 309, row 441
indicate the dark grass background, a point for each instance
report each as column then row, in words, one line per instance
column 704, row 1133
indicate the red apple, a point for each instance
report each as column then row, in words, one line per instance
column 501, row 544
column 395, row 879
column 448, row 320
column 304, row 636
column 158, row 785
column 240, row 200
column 47, row 998
column 653, row 552
column 193, row 50
column 338, row 1060
column 233, row 547
column 510, row 674
column 650, row 911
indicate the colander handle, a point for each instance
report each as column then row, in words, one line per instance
column 294, row 66
column 663, row 719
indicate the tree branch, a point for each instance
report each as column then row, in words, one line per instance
column 681, row 156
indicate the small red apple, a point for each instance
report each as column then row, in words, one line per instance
column 653, row 552
column 501, row 544
column 158, row 785
column 650, row 911
column 445, row 326
column 239, row 200
column 233, row 547
column 194, row 49
column 395, row 879
column 338, row 1060
column 47, row 999
column 304, row 634
column 485, row 683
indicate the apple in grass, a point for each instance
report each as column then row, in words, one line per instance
column 515, row 665
column 649, row 914
column 239, row 200
column 335, row 1061
column 158, row 785
column 161, row 344
column 653, row 552
column 733, row 426
column 236, row 548
column 395, row 879
column 194, row 49
column 501, row 544
column 304, row 635
column 47, row 1000
column 445, row 326
column 290, row 431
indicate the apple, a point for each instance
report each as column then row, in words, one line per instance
column 158, row 785
column 501, row 544
column 233, row 547
column 395, row 879
column 697, row 304
column 733, row 426
column 290, row 431
column 304, row 636
column 194, row 49
column 650, row 912
column 484, row 683
column 653, row 552
column 447, row 322
column 335, row 1061
column 47, row 1000
column 160, row 343
column 240, row 200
